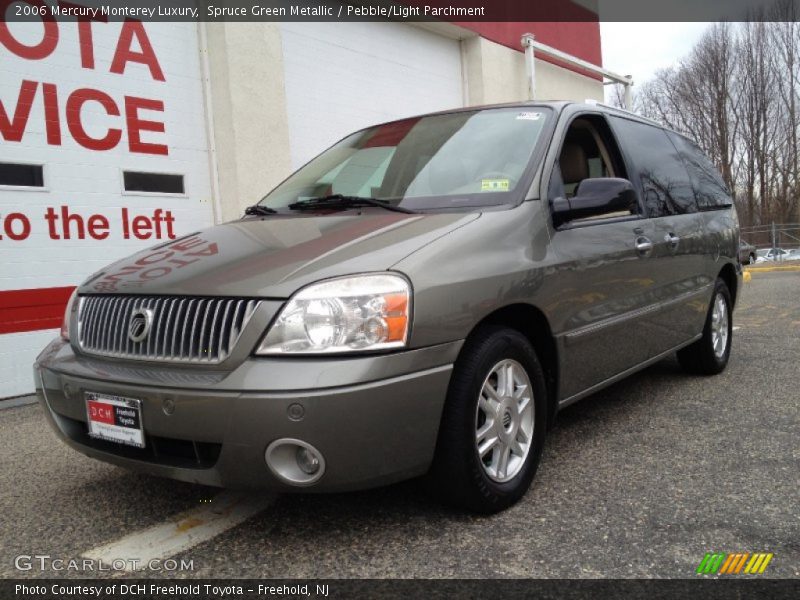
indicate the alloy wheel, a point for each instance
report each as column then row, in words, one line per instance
column 504, row 421
column 719, row 326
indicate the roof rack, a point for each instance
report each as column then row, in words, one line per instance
column 532, row 47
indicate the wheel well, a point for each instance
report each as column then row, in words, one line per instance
column 532, row 323
column 728, row 275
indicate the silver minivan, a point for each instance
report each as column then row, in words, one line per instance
column 420, row 299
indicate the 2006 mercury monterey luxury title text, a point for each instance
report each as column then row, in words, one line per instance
column 421, row 298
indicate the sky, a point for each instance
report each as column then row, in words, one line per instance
column 640, row 49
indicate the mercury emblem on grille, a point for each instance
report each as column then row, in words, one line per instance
column 140, row 323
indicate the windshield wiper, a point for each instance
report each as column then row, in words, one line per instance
column 342, row 201
column 259, row 209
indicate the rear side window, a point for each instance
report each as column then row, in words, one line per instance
column 709, row 187
column 666, row 187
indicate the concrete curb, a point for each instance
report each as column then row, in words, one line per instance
column 17, row 401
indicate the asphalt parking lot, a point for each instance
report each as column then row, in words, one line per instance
column 640, row 480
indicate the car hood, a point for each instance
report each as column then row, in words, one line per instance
column 272, row 257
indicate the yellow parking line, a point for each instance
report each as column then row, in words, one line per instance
column 770, row 269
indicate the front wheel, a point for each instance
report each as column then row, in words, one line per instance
column 709, row 355
column 493, row 425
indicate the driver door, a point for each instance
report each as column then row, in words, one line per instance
column 601, row 310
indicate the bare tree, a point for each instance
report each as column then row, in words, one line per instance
column 785, row 33
column 736, row 95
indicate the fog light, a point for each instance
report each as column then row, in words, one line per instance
column 294, row 461
column 307, row 461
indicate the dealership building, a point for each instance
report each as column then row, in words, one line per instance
column 117, row 136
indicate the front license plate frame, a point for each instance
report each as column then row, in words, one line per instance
column 115, row 419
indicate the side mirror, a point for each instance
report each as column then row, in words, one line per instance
column 595, row 197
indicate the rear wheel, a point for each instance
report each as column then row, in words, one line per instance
column 709, row 355
column 493, row 426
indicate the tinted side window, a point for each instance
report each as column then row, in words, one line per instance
column 709, row 188
column 666, row 187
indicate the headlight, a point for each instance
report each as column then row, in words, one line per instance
column 68, row 315
column 365, row 312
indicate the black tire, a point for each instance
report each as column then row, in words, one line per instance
column 701, row 358
column 458, row 475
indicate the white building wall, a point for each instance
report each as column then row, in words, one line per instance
column 89, row 182
column 249, row 106
column 341, row 77
column 496, row 74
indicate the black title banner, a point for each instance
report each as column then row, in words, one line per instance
column 405, row 10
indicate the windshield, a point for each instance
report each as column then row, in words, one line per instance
column 464, row 159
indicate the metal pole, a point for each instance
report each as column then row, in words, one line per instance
column 578, row 62
column 530, row 45
column 774, row 243
column 528, row 41
column 628, row 95
column 205, row 67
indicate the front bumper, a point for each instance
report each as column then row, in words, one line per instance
column 374, row 419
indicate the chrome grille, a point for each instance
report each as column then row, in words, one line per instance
column 182, row 329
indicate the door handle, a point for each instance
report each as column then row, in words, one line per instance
column 643, row 246
column 672, row 240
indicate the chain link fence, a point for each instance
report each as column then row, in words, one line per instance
column 776, row 242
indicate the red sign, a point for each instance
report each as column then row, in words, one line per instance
column 131, row 113
column 100, row 412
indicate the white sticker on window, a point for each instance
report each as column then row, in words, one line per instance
column 529, row 116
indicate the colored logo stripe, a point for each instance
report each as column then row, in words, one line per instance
column 711, row 562
column 732, row 564
column 758, row 563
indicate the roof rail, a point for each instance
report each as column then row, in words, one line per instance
column 594, row 102
column 639, row 117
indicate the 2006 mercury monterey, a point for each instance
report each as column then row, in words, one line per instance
column 420, row 298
